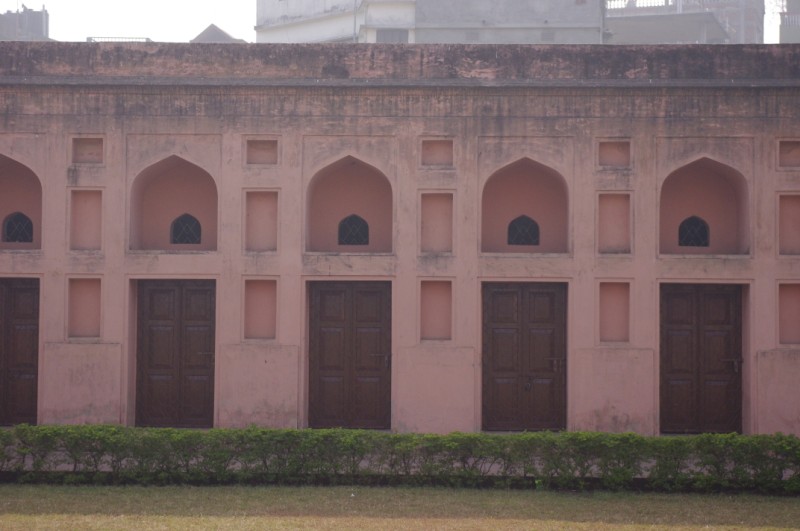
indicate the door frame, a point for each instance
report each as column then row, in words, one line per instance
column 39, row 343
column 564, row 366
column 744, row 365
column 131, row 404
column 306, row 366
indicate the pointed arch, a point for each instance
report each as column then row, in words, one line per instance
column 693, row 232
column 20, row 206
column 713, row 193
column 523, row 231
column 353, row 230
column 162, row 194
column 349, row 187
column 517, row 194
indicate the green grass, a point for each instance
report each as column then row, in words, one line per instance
column 47, row 507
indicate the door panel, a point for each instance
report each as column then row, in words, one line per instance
column 349, row 354
column 175, row 358
column 701, row 353
column 19, row 350
column 524, row 356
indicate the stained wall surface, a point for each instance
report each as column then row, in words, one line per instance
column 438, row 148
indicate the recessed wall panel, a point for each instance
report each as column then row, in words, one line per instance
column 614, row 311
column 437, row 223
column 260, row 309
column 86, row 220
column 614, row 224
column 84, row 307
column 436, row 309
column 261, row 224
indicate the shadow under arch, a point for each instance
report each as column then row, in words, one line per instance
column 713, row 192
column 344, row 188
column 525, row 188
column 20, row 192
column 164, row 191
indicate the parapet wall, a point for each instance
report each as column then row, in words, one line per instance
column 391, row 65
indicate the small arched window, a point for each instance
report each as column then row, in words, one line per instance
column 693, row 232
column 523, row 231
column 18, row 227
column 353, row 230
column 185, row 229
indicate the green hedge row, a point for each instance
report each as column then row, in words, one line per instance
column 567, row 460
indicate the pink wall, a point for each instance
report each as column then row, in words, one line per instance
column 438, row 165
column 83, row 383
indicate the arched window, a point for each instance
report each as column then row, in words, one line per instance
column 523, row 231
column 353, row 230
column 693, row 232
column 18, row 227
column 185, row 229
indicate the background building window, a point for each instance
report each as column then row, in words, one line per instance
column 391, row 35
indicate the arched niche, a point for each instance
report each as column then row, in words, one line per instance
column 530, row 189
column 164, row 192
column 20, row 193
column 712, row 192
column 341, row 190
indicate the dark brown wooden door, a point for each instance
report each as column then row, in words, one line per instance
column 350, row 346
column 524, row 356
column 701, row 357
column 175, row 359
column 19, row 350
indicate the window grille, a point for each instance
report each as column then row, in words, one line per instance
column 391, row 35
column 693, row 232
column 353, row 230
column 18, row 228
column 185, row 230
column 523, row 231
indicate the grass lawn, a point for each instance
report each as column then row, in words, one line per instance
column 46, row 507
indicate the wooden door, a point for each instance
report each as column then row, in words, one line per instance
column 19, row 350
column 524, row 356
column 175, row 358
column 350, row 346
column 701, row 358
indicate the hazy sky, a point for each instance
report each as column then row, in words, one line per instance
column 160, row 20
column 164, row 20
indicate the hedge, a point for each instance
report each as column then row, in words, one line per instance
column 565, row 460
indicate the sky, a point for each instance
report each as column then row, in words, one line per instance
column 165, row 20
column 159, row 20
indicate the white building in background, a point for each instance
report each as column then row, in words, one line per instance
column 684, row 21
column 513, row 21
column 790, row 22
column 430, row 21
column 335, row 21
